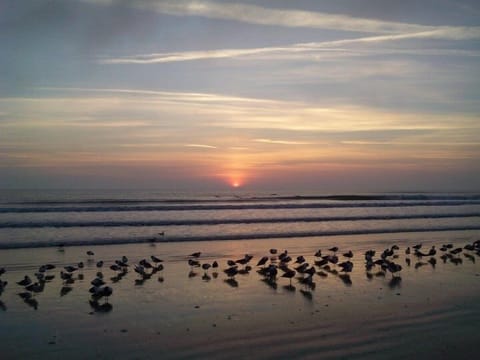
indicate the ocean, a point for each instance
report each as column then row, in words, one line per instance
column 31, row 219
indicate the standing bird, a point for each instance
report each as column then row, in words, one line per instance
column 155, row 259
column 334, row 249
column 262, row 261
column 289, row 274
column 300, row 260
column 25, row 282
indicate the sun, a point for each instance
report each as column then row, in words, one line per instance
column 236, row 184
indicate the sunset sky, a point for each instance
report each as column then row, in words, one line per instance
column 311, row 95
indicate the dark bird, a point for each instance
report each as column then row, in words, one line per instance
column 231, row 263
column 115, row 267
column 90, row 253
column 456, row 251
column 283, row 255
column 262, row 261
column 70, row 268
column 318, row 253
column 394, row 268
column 346, row 266
column 231, row 271
column 300, row 260
column 99, row 264
column 243, row 261
column 99, row 292
column 35, row 287
column 348, row 254
column 215, row 264
column 155, row 259
column 289, row 274
column 145, row 264
column 334, row 249
column 195, row 254
column 273, row 251
column 193, row 263
column 25, row 282
column 206, row 266
column 97, row 282
column 2, row 271
column 302, row 268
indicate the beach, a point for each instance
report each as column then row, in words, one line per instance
column 185, row 312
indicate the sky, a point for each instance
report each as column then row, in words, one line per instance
column 306, row 95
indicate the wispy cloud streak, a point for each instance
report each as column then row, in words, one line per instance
column 202, row 146
column 254, row 14
column 282, row 142
column 448, row 33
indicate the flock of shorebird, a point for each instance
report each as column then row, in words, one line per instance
column 271, row 267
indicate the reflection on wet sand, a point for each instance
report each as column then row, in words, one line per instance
column 306, row 270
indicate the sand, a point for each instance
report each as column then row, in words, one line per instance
column 432, row 312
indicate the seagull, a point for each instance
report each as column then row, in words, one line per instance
column 70, row 268
column 25, row 282
column 300, row 260
column 231, row 271
column 156, row 259
column 289, row 274
column 262, row 261
column 334, row 249
column 206, row 266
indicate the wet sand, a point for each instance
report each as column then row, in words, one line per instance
column 432, row 312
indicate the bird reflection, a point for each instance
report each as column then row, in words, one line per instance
column 270, row 282
column 346, row 279
column 289, row 288
column 307, row 294
column 101, row 308
column 395, row 282
column 232, row 282
column 31, row 302
column 65, row 290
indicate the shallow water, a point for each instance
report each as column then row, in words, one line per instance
column 431, row 312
